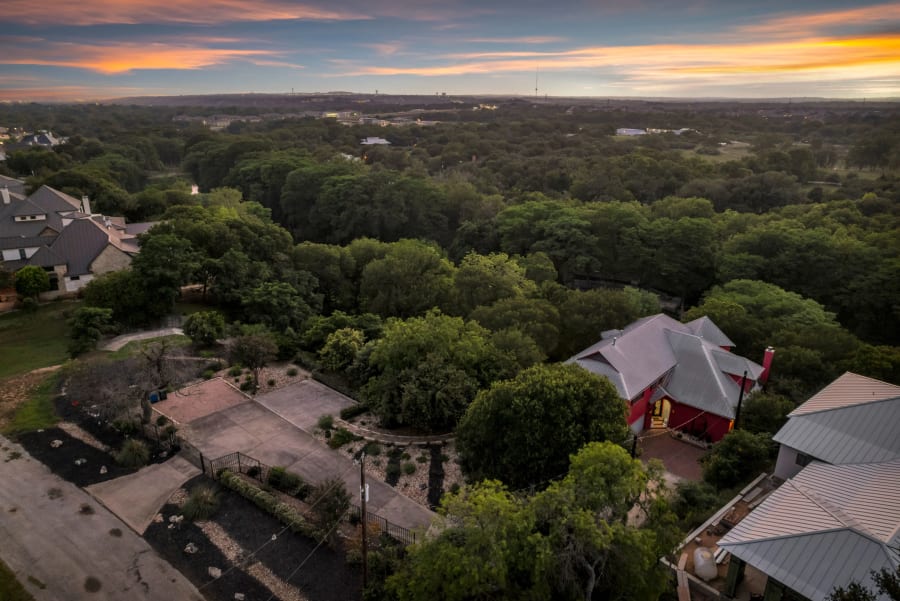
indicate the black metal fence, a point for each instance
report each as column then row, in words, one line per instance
column 241, row 463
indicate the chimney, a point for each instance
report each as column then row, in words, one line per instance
column 767, row 364
column 4, row 193
column 85, row 205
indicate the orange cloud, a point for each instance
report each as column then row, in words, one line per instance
column 96, row 12
column 806, row 25
column 124, row 57
column 52, row 93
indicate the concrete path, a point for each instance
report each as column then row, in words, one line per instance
column 120, row 341
column 257, row 431
column 54, row 534
column 302, row 403
column 136, row 498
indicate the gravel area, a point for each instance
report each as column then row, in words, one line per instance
column 79, row 433
column 277, row 372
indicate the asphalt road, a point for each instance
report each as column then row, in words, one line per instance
column 62, row 544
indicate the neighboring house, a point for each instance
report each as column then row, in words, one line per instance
column 630, row 131
column 374, row 141
column 43, row 138
column 837, row 519
column 55, row 231
column 675, row 375
column 854, row 419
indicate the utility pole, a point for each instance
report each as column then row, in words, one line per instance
column 737, row 414
column 363, row 497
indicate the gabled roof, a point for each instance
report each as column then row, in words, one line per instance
column 53, row 200
column 696, row 371
column 848, row 390
column 706, row 329
column 45, row 257
column 856, row 433
column 14, row 185
column 80, row 243
column 44, row 201
column 825, row 527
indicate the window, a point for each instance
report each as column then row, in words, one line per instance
column 22, row 253
column 74, row 278
column 803, row 459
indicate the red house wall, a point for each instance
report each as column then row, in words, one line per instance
column 694, row 421
column 640, row 408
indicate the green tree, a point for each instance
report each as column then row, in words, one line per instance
column 254, row 351
column 279, row 305
column 204, row 327
column 341, row 348
column 166, row 262
column 764, row 413
column 429, row 369
column 522, row 431
column 535, row 317
column 86, row 327
column 330, row 502
column 737, row 458
column 481, row 280
column 31, row 280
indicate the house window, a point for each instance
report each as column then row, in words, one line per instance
column 74, row 278
column 22, row 253
column 803, row 459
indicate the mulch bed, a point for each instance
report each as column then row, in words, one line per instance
column 61, row 460
column 324, row 577
column 435, row 476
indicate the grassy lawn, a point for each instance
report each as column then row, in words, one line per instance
column 38, row 411
column 33, row 340
column 10, row 589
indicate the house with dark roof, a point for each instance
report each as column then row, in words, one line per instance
column 59, row 233
column 836, row 518
column 680, row 376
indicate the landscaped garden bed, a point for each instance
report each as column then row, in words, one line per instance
column 242, row 529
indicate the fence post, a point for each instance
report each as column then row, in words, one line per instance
column 239, row 462
column 202, row 463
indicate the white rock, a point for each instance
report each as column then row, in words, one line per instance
column 214, row 572
column 239, row 597
column 103, row 469
column 80, row 461
column 191, row 548
column 56, row 443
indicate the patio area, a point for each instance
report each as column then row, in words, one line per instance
column 682, row 459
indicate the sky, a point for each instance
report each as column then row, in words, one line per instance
column 72, row 50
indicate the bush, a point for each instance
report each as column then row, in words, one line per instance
column 409, row 468
column 738, row 457
column 422, row 458
column 693, row 502
column 247, row 385
column 330, row 501
column 292, row 371
column 202, row 504
column 162, row 420
column 392, row 470
column 208, row 374
column 287, row 482
column 353, row 410
column 271, row 382
column 340, row 437
column 373, row 449
column 134, row 453
column 235, row 371
column 326, row 421
column 268, row 503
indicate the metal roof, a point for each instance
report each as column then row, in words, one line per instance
column 859, row 433
column 826, row 526
column 849, row 389
column 80, row 243
column 695, row 369
column 706, row 329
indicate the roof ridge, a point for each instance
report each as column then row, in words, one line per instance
column 834, row 511
column 842, row 407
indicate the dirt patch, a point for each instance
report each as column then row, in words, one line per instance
column 16, row 390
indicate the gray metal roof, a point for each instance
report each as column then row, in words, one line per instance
column 12, row 184
column 826, row 526
column 858, row 433
column 706, row 329
column 45, row 257
column 695, row 370
column 24, row 242
column 849, row 389
column 80, row 243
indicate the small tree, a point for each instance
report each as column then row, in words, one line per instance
column 737, row 457
column 765, row 413
column 31, row 280
column 205, row 327
column 86, row 327
column 341, row 348
column 330, row 501
column 253, row 351
column 887, row 583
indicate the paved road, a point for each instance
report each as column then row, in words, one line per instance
column 254, row 429
column 56, row 534
column 120, row 341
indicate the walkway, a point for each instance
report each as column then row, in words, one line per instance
column 136, row 498
column 62, row 544
column 120, row 341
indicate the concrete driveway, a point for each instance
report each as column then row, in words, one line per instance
column 62, row 544
column 136, row 498
column 254, row 429
column 303, row 403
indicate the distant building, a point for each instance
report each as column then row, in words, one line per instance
column 374, row 141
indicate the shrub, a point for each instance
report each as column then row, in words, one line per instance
column 353, row 410
column 268, row 503
column 340, row 437
column 326, row 421
column 235, row 371
column 287, row 482
column 373, row 449
column 737, row 458
column 392, row 470
column 208, row 374
column 409, row 468
column 406, row 456
column 253, row 472
column 162, row 420
column 330, row 501
column 271, row 382
column 247, row 385
column 292, row 371
column 693, row 502
column 134, row 453
column 422, row 458
column 201, row 504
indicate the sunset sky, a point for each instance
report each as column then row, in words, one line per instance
column 94, row 49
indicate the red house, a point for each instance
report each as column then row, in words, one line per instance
column 677, row 375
